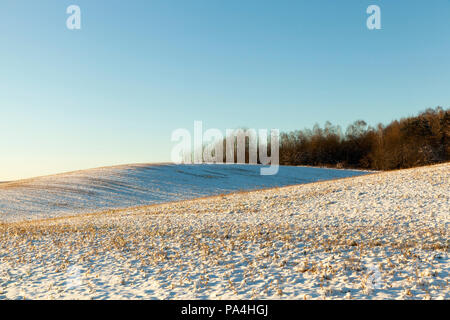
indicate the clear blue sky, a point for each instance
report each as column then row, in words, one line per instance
column 114, row 91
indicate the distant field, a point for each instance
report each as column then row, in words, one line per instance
column 137, row 185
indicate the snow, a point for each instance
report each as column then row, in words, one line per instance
column 137, row 185
column 378, row 236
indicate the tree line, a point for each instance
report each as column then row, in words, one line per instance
column 412, row 141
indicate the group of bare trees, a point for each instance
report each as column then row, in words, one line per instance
column 413, row 141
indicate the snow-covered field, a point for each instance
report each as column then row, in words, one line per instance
column 138, row 185
column 377, row 236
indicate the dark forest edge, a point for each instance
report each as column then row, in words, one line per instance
column 405, row 143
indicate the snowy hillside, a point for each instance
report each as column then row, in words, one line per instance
column 136, row 185
column 379, row 236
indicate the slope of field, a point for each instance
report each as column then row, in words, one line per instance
column 137, row 185
column 379, row 236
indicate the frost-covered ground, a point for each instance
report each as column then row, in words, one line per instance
column 137, row 185
column 379, row 236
